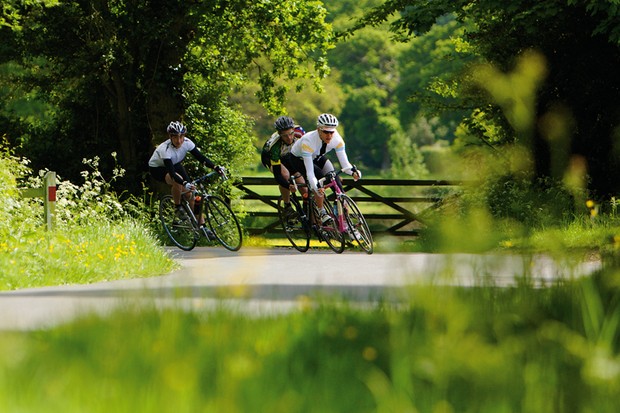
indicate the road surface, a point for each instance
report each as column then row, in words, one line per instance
column 268, row 280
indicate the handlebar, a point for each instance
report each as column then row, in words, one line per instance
column 203, row 178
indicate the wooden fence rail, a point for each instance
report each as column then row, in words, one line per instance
column 398, row 195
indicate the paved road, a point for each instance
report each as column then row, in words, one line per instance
column 261, row 280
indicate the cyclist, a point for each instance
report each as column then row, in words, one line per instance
column 277, row 146
column 165, row 164
column 308, row 156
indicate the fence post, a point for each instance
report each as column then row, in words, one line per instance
column 49, row 199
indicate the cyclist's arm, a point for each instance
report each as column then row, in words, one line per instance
column 344, row 160
column 170, row 167
column 309, row 165
column 198, row 155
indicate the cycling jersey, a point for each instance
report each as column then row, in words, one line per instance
column 309, row 148
column 273, row 152
column 167, row 151
column 167, row 159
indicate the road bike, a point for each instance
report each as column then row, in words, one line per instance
column 183, row 225
column 303, row 220
column 346, row 223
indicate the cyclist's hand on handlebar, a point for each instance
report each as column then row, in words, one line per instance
column 189, row 186
column 220, row 170
column 356, row 173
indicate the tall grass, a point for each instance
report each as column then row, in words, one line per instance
column 480, row 349
column 97, row 237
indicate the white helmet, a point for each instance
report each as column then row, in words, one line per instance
column 176, row 128
column 327, row 120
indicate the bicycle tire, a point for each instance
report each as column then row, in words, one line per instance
column 356, row 224
column 181, row 230
column 223, row 223
column 329, row 231
column 296, row 229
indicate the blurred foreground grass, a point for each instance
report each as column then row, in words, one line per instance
column 477, row 349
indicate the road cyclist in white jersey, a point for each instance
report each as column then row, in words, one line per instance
column 308, row 156
column 166, row 165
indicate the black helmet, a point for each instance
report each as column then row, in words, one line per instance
column 176, row 128
column 327, row 120
column 284, row 123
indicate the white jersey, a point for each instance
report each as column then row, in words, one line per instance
column 308, row 147
column 167, row 151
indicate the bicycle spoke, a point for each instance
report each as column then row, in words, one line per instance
column 296, row 230
column 223, row 223
column 179, row 227
column 330, row 233
column 358, row 229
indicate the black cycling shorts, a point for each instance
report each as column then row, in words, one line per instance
column 159, row 173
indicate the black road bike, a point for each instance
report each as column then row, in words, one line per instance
column 346, row 224
column 183, row 227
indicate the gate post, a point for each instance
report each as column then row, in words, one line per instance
column 49, row 199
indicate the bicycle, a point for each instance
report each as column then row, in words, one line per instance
column 346, row 220
column 183, row 228
column 305, row 220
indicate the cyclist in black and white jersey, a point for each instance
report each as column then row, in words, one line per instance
column 308, row 156
column 166, row 165
column 275, row 148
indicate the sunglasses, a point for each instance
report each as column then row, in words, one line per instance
column 328, row 132
column 287, row 134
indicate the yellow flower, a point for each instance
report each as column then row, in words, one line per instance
column 590, row 203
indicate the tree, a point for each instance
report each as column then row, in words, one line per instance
column 579, row 41
column 116, row 71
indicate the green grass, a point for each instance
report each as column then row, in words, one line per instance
column 441, row 349
column 107, row 251
column 447, row 350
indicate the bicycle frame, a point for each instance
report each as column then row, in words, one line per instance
column 310, row 223
column 348, row 217
column 220, row 219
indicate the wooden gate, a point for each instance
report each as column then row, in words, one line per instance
column 392, row 206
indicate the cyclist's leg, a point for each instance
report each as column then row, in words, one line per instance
column 286, row 194
column 321, row 165
column 189, row 196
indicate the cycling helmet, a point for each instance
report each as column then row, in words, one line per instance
column 327, row 120
column 176, row 128
column 284, row 123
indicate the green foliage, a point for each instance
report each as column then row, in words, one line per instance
column 97, row 237
column 115, row 73
column 481, row 348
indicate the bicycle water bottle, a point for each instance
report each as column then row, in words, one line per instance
column 335, row 209
column 197, row 205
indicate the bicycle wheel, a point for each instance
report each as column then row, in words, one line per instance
column 329, row 230
column 223, row 222
column 295, row 228
column 179, row 227
column 357, row 227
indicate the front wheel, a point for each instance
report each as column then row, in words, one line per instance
column 178, row 224
column 223, row 223
column 329, row 230
column 357, row 227
column 295, row 227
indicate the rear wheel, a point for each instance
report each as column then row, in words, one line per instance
column 329, row 230
column 357, row 227
column 295, row 228
column 223, row 222
column 178, row 225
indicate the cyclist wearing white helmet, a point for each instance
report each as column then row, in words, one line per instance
column 278, row 145
column 308, row 155
column 165, row 163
